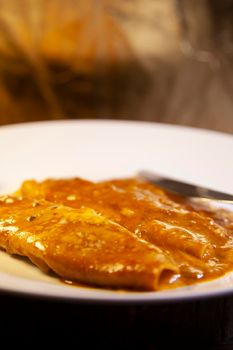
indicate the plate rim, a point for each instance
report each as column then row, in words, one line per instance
column 115, row 297
column 171, row 126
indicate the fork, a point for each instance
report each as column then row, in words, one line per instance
column 192, row 191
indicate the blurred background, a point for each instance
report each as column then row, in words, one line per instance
column 167, row 61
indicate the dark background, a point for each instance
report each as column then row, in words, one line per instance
column 204, row 324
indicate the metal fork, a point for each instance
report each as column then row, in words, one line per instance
column 186, row 189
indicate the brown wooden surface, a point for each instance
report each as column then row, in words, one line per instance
column 204, row 324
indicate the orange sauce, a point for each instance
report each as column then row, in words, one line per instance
column 199, row 242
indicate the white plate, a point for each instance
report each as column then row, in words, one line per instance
column 104, row 149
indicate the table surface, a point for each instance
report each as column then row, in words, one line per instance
column 207, row 324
